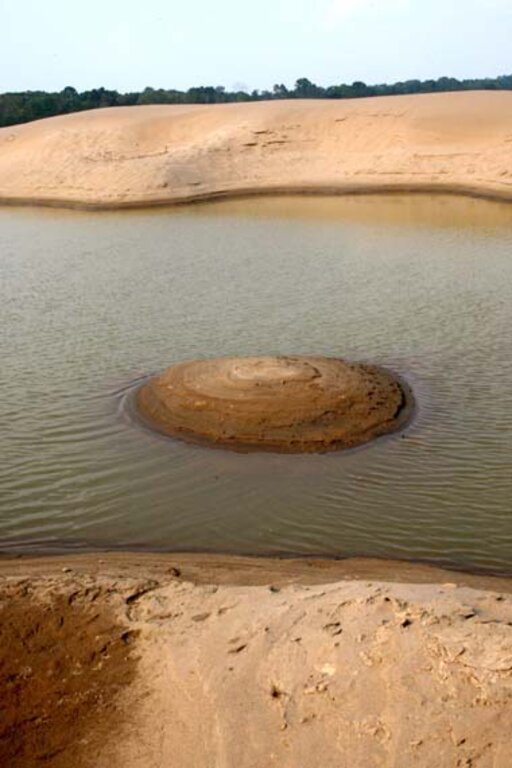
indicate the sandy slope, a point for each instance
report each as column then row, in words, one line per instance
column 157, row 154
column 257, row 672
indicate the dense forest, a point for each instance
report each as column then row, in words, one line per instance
column 33, row 105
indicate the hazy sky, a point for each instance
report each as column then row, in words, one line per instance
column 128, row 44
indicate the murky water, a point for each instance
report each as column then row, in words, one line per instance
column 90, row 303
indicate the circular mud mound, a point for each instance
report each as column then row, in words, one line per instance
column 285, row 404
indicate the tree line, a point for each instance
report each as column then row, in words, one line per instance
column 21, row 107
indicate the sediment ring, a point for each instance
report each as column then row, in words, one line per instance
column 287, row 404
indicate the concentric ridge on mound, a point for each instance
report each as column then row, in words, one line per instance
column 289, row 404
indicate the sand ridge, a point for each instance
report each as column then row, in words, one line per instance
column 148, row 155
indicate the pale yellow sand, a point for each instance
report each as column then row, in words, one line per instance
column 265, row 665
column 460, row 142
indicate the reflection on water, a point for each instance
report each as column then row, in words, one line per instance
column 414, row 209
column 92, row 302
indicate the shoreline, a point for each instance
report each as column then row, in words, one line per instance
column 247, row 570
column 475, row 193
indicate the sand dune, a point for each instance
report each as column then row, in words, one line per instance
column 145, row 155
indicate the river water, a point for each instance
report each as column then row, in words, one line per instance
column 91, row 303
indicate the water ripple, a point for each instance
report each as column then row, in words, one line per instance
column 93, row 304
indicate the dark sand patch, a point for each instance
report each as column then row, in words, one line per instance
column 64, row 661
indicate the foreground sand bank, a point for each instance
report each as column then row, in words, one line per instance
column 315, row 663
column 149, row 155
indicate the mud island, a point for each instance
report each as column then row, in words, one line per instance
column 291, row 404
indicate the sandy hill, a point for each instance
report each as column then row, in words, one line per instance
column 161, row 154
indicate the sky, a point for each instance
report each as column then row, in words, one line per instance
column 129, row 44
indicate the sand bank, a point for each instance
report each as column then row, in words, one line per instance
column 149, row 155
column 315, row 663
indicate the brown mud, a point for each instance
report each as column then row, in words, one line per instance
column 292, row 404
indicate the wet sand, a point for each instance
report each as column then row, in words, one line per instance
column 170, row 657
column 287, row 404
column 157, row 155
